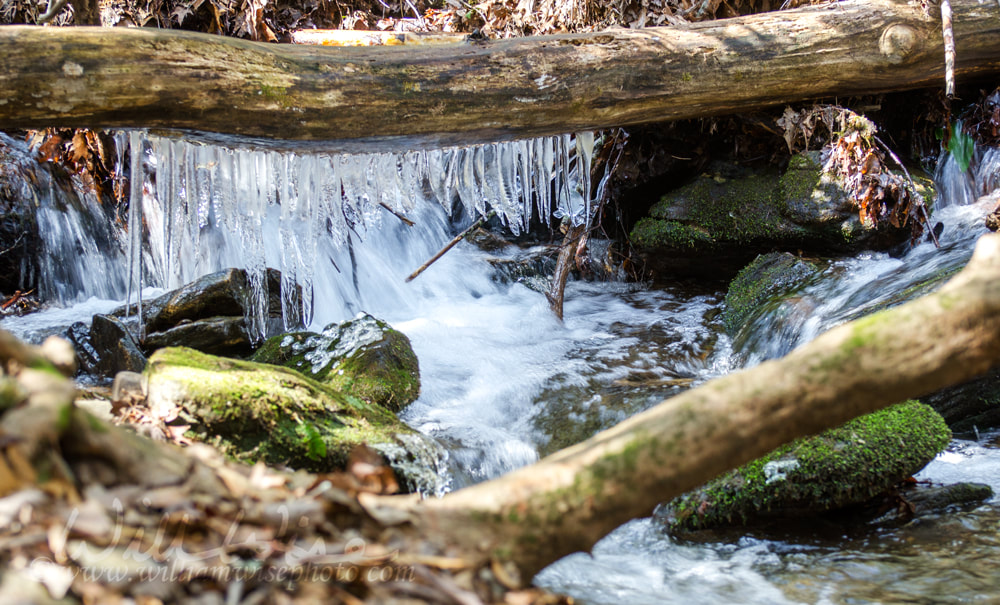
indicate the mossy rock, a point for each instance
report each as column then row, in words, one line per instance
column 839, row 468
column 254, row 411
column 364, row 357
column 770, row 277
column 802, row 207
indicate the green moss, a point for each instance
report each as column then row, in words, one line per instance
column 382, row 372
column 255, row 411
column 11, row 394
column 276, row 93
column 656, row 233
column 803, row 178
column 65, row 417
column 770, row 277
column 712, row 212
column 840, row 467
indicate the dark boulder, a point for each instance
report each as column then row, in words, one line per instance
column 971, row 406
column 216, row 335
column 116, row 348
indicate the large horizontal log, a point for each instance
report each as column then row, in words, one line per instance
column 480, row 90
column 569, row 500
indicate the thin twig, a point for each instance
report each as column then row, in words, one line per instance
column 450, row 245
column 408, row 222
column 14, row 245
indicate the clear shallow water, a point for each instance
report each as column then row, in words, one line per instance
column 952, row 557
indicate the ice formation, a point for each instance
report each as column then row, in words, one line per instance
column 192, row 192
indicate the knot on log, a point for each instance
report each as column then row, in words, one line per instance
column 897, row 42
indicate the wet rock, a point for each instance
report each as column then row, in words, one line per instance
column 215, row 335
column 364, row 357
column 209, row 313
column 87, row 356
column 839, row 468
column 218, row 294
column 971, row 406
column 993, row 220
column 730, row 212
column 925, row 500
column 117, row 349
column 532, row 267
column 19, row 237
column 765, row 281
column 486, row 241
column 254, row 411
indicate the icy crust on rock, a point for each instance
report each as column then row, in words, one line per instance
column 192, row 193
column 345, row 338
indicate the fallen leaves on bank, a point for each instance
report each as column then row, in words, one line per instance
column 94, row 513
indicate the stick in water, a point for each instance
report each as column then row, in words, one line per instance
column 450, row 245
column 408, row 222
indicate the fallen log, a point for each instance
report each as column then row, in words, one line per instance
column 569, row 500
column 481, row 90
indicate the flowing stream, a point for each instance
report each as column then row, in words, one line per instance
column 504, row 383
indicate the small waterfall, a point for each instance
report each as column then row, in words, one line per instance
column 957, row 187
column 83, row 254
column 205, row 207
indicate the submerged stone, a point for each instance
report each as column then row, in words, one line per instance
column 841, row 467
column 770, row 277
column 254, row 411
column 364, row 356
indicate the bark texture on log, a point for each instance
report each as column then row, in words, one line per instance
column 480, row 90
column 569, row 500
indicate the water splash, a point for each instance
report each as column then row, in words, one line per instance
column 957, row 187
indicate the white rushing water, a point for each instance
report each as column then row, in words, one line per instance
column 207, row 207
column 502, row 380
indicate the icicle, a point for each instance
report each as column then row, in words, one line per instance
column 135, row 225
column 290, row 260
column 312, row 214
column 482, row 188
column 524, row 180
column 212, row 204
column 178, row 215
column 542, row 175
column 203, row 183
column 465, row 180
column 584, row 159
